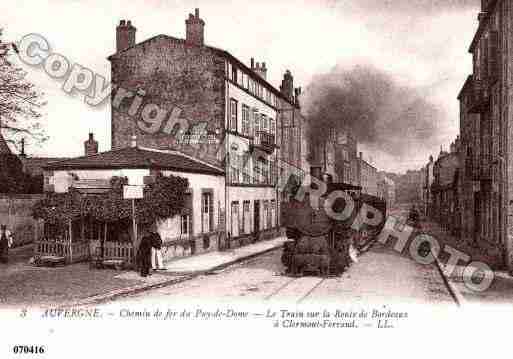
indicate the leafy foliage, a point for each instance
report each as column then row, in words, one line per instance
column 11, row 173
column 162, row 199
column 20, row 104
column 12, row 178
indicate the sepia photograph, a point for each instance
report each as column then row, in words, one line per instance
column 186, row 178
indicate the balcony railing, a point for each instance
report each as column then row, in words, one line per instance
column 480, row 97
column 265, row 141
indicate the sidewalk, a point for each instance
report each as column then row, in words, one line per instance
column 24, row 285
column 501, row 290
column 180, row 270
column 481, row 252
column 216, row 260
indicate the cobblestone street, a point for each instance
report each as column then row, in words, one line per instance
column 381, row 276
column 23, row 284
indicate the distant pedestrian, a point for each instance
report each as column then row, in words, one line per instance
column 156, row 252
column 144, row 255
column 5, row 243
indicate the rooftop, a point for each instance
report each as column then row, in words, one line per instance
column 137, row 158
column 223, row 53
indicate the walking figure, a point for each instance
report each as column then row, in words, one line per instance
column 5, row 243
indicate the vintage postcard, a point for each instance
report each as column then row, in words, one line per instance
column 249, row 178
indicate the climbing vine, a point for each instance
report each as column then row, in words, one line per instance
column 163, row 198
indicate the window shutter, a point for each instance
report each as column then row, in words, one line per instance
column 211, row 211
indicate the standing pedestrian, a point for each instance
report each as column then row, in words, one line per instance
column 144, row 255
column 156, row 252
column 5, row 243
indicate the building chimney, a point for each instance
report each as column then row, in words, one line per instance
column 297, row 94
column 287, row 86
column 91, row 146
column 259, row 69
column 133, row 141
column 361, row 156
column 125, row 35
column 194, row 29
column 22, row 153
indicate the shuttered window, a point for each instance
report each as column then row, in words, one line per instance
column 233, row 115
column 207, row 211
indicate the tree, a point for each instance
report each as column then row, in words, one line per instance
column 20, row 101
column 12, row 177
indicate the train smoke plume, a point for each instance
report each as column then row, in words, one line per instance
column 381, row 114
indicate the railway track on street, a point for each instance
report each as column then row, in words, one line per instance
column 296, row 289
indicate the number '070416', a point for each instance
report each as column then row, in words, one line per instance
column 28, row 349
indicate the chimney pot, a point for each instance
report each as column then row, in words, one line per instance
column 125, row 35
column 252, row 63
column 133, row 142
column 91, row 146
column 194, row 29
column 287, row 86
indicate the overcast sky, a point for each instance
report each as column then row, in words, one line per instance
column 420, row 43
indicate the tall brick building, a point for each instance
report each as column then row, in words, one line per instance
column 347, row 163
column 427, row 182
column 445, row 190
column 191, row 83
column 486, row 108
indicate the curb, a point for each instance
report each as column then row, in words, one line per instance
column 126, row 291
column 186, row 276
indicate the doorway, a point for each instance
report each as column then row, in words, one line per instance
column 256, row 217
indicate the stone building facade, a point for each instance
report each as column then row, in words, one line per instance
column 209, row 105
column 486, row 131
column 427, row 182
column 293, row 134
column 445, row 191
column 347, row 161
column 367, row 177
column 387, row 190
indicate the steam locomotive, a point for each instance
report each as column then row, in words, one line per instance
column 320, row 244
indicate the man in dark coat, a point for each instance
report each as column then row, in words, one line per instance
column 5, row 243
column 144, row 254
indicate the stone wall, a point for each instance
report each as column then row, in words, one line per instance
column 16, row 214
column 189, row 80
